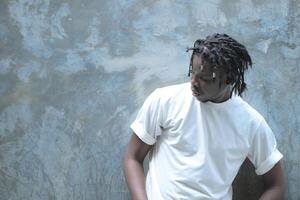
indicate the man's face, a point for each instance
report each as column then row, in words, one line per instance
column 208, row 83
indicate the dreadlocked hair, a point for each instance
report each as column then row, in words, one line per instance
column 220, row 50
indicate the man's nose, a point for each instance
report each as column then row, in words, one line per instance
column 196, row 82
column 193, row 81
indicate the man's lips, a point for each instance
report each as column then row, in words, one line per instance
column 195, row 92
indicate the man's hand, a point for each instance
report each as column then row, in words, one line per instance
column 273, row 183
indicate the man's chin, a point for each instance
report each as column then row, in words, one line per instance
column 202, row 99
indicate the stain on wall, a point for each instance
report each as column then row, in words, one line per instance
column 74, row 73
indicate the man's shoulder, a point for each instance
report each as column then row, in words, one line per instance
column 173, row 91
column 249, row 111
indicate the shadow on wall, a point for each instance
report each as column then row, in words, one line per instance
column 247, row 185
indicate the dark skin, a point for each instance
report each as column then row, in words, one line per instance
column 208, row 83
column 205, row 87
column 133, row 167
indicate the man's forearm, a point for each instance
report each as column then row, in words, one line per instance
column 273, row 193
column 135, row 178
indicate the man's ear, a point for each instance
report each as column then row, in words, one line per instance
column 228, row 81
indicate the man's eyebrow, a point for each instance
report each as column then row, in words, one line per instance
column 204, row 73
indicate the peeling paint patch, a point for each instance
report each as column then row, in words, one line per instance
column 208, row 13
column 158, row 21
column 292, row 53
column 94, row 37
column 30, row 17
column 56, row 27
column 3, row 34
column 263, row 45
column 5, row 65
column 27, row 70
column 54, row 148
column 73, row 63
column 14, row 116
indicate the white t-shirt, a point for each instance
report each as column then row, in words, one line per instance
column 199, row 147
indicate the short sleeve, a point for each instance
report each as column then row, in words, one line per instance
column 263, row 152
column 148, row 123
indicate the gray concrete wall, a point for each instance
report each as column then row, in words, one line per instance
column 74, row 73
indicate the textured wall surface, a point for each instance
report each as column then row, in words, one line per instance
column 74, row 73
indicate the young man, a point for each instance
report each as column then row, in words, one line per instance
column 199, row 133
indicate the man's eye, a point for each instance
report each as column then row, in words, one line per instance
column 205, row 79
column 192, row 72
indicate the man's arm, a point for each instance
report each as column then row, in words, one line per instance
column 273, row 183
column 133, row 167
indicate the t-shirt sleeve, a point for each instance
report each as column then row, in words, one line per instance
column 263, row 152
column 148, row 123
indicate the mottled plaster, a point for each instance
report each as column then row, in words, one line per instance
column 73, row 75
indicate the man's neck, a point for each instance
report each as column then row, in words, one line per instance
column 223, row 96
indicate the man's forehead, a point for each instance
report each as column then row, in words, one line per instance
column 207, row 68
column 203, row 66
